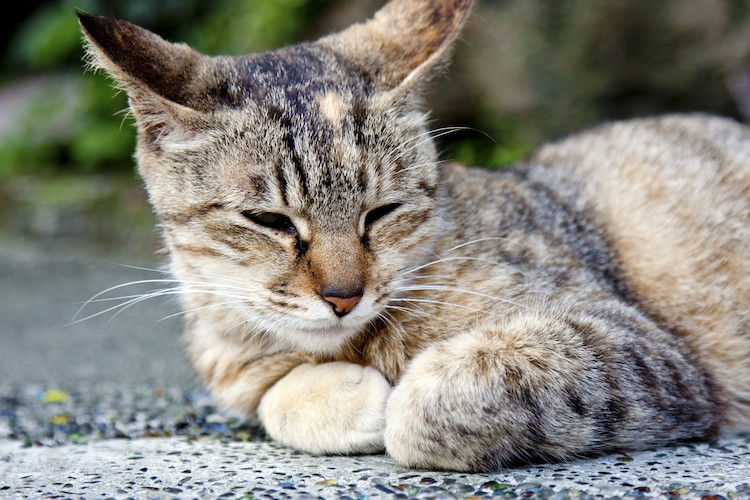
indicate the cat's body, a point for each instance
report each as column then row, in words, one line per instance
column 354, row 295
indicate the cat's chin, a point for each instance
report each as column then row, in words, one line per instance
column 319, row 339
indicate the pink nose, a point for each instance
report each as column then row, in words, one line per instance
column 343, row 296
column 342, row 305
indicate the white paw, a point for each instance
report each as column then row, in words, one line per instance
column 327, row 408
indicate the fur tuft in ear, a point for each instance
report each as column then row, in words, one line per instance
column 403, row 41
column 138, row 58
column 168, row 84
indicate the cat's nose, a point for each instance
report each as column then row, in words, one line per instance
column 342, row 300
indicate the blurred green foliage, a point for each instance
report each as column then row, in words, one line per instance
column 70, row 121
column 47, row 38
column 524, row 72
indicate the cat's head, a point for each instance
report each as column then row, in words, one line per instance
column 298, row 185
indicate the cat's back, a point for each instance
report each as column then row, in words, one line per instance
column 672, row 196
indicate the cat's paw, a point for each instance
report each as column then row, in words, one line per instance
column 494, row 394
column 327, row 408
column 431, row 412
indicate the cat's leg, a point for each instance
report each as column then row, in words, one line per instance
column 548, row 386
column 327, row 408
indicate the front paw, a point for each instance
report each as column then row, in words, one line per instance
column 327, row 408
column 494, row 395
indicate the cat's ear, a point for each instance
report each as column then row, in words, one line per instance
column 166, row 83
column 404, row 41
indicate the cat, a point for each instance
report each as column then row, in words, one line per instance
column 354, row 294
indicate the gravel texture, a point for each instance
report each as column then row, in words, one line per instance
column 108, row 441
column 212, row 468
column 52, row 417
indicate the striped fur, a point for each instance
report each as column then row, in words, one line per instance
column 354, row 294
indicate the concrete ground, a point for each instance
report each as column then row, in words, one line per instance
column 110, row 408
column 179, row 468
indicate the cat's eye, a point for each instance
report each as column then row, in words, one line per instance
column 271, row 220
column 379, row 213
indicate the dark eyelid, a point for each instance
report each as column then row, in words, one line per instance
column 271, row 220
column 380, row 212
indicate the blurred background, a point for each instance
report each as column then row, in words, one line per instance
column 71, row 206
column 523, row 73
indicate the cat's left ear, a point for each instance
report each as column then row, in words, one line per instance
column 403, row 42
column 168, row 84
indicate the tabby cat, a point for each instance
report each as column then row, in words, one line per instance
column 354, row 294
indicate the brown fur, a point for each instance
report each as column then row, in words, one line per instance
column 354, row 295
column 683, row 257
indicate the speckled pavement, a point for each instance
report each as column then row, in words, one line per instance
column 209, row 468
column 110, row 408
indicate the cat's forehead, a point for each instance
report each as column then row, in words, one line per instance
column 314, row 130
column 295, row 79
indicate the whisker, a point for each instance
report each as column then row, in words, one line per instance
column 423, row 137
column 223, row 291
column 431, row 135
column 426, row 133
column 134, row 283
column 208, row 306
column 385, row 316
column 121, row 306
column 246, row 328
column 140, row 268
column 117, row 287
column 229, row 279
column 420, row 165
column 245, row 333
column 351, row 345
column 446, row 288
column 441, row 303
column 449, row 259
column 417, row 313
column 478, row 240
column 399, row 308
column 112, row 299
column 185, row 286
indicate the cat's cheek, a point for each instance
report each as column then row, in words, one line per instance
column 327, row 408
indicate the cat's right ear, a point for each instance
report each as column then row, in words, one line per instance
column 165, row 82
column 401, row 45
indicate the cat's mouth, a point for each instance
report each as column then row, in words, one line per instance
column 311, row 324
column 325, row 333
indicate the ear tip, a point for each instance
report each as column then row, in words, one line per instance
column 91, row 24
column 97, row 26
column 85, row 20
column 89, row 20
